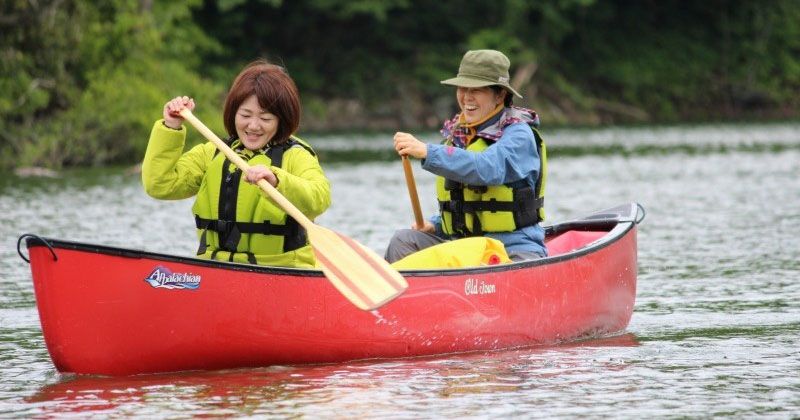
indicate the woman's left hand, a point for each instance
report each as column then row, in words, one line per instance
column 258, row 172
column 408, row 145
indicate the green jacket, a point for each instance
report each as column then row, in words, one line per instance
column 170, row 174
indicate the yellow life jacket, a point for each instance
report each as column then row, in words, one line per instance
column 473, row 210
column 236, row 223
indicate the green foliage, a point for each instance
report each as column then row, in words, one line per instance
column 88, row 81
column 228, row 5
column 82, row 82
column 345, row 9
column 110, row 125
column 688, row 60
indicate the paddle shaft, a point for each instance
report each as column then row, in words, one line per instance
column 412, row 192
column 237, row 160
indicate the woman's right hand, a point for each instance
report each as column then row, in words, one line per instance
column 407, row 145
column 172, row 118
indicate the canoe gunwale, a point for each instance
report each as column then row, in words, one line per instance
column 624, row 223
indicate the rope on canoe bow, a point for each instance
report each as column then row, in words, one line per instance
column 37, row 238
column 642, row 212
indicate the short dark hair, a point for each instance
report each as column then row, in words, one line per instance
column 276, row 93
column 509, row 100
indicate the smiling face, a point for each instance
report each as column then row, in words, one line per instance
column 477, row 103
column 254, row 125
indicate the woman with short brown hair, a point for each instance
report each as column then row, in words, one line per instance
column 275, row 91
column 235, row 220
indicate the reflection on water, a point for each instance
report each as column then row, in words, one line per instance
column 277, row 390
column 715, row 331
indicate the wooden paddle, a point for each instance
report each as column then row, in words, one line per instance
column 357, row 272
column 412, row 192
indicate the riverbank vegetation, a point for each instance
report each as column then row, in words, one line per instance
column 82, row 83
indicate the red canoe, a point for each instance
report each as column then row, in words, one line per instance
column 115, row 311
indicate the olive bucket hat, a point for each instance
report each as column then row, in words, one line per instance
column 481, row 68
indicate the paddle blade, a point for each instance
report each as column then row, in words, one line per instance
column 363, row 277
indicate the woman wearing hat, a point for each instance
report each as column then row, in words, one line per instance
column 490, row 167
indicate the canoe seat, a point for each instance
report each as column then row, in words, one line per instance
column 571, row 240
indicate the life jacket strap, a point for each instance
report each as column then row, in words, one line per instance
column 524, row 209
column 294, row 235
column 225, row 226
column 251, row 258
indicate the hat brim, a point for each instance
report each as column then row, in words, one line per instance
column 471, row 82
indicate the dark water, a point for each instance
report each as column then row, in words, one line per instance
column 715, row 331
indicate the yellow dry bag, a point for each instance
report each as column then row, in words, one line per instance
column 467, row 252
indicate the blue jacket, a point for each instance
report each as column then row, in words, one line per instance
column 511, row 158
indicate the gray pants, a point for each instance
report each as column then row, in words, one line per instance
column 408, row 241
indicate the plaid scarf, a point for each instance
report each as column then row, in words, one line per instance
column 460, row 134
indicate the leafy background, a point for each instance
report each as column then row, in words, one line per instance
column 83, row 82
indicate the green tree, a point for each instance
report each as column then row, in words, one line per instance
column 85, row 81
column 82, row 82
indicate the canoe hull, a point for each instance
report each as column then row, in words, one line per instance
column 116, row 312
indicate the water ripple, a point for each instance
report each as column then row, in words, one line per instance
column 715, row 330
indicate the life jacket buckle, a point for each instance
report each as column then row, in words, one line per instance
column 478, row 189
column 224, row 227
column 457, row 206
column 229, row 235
